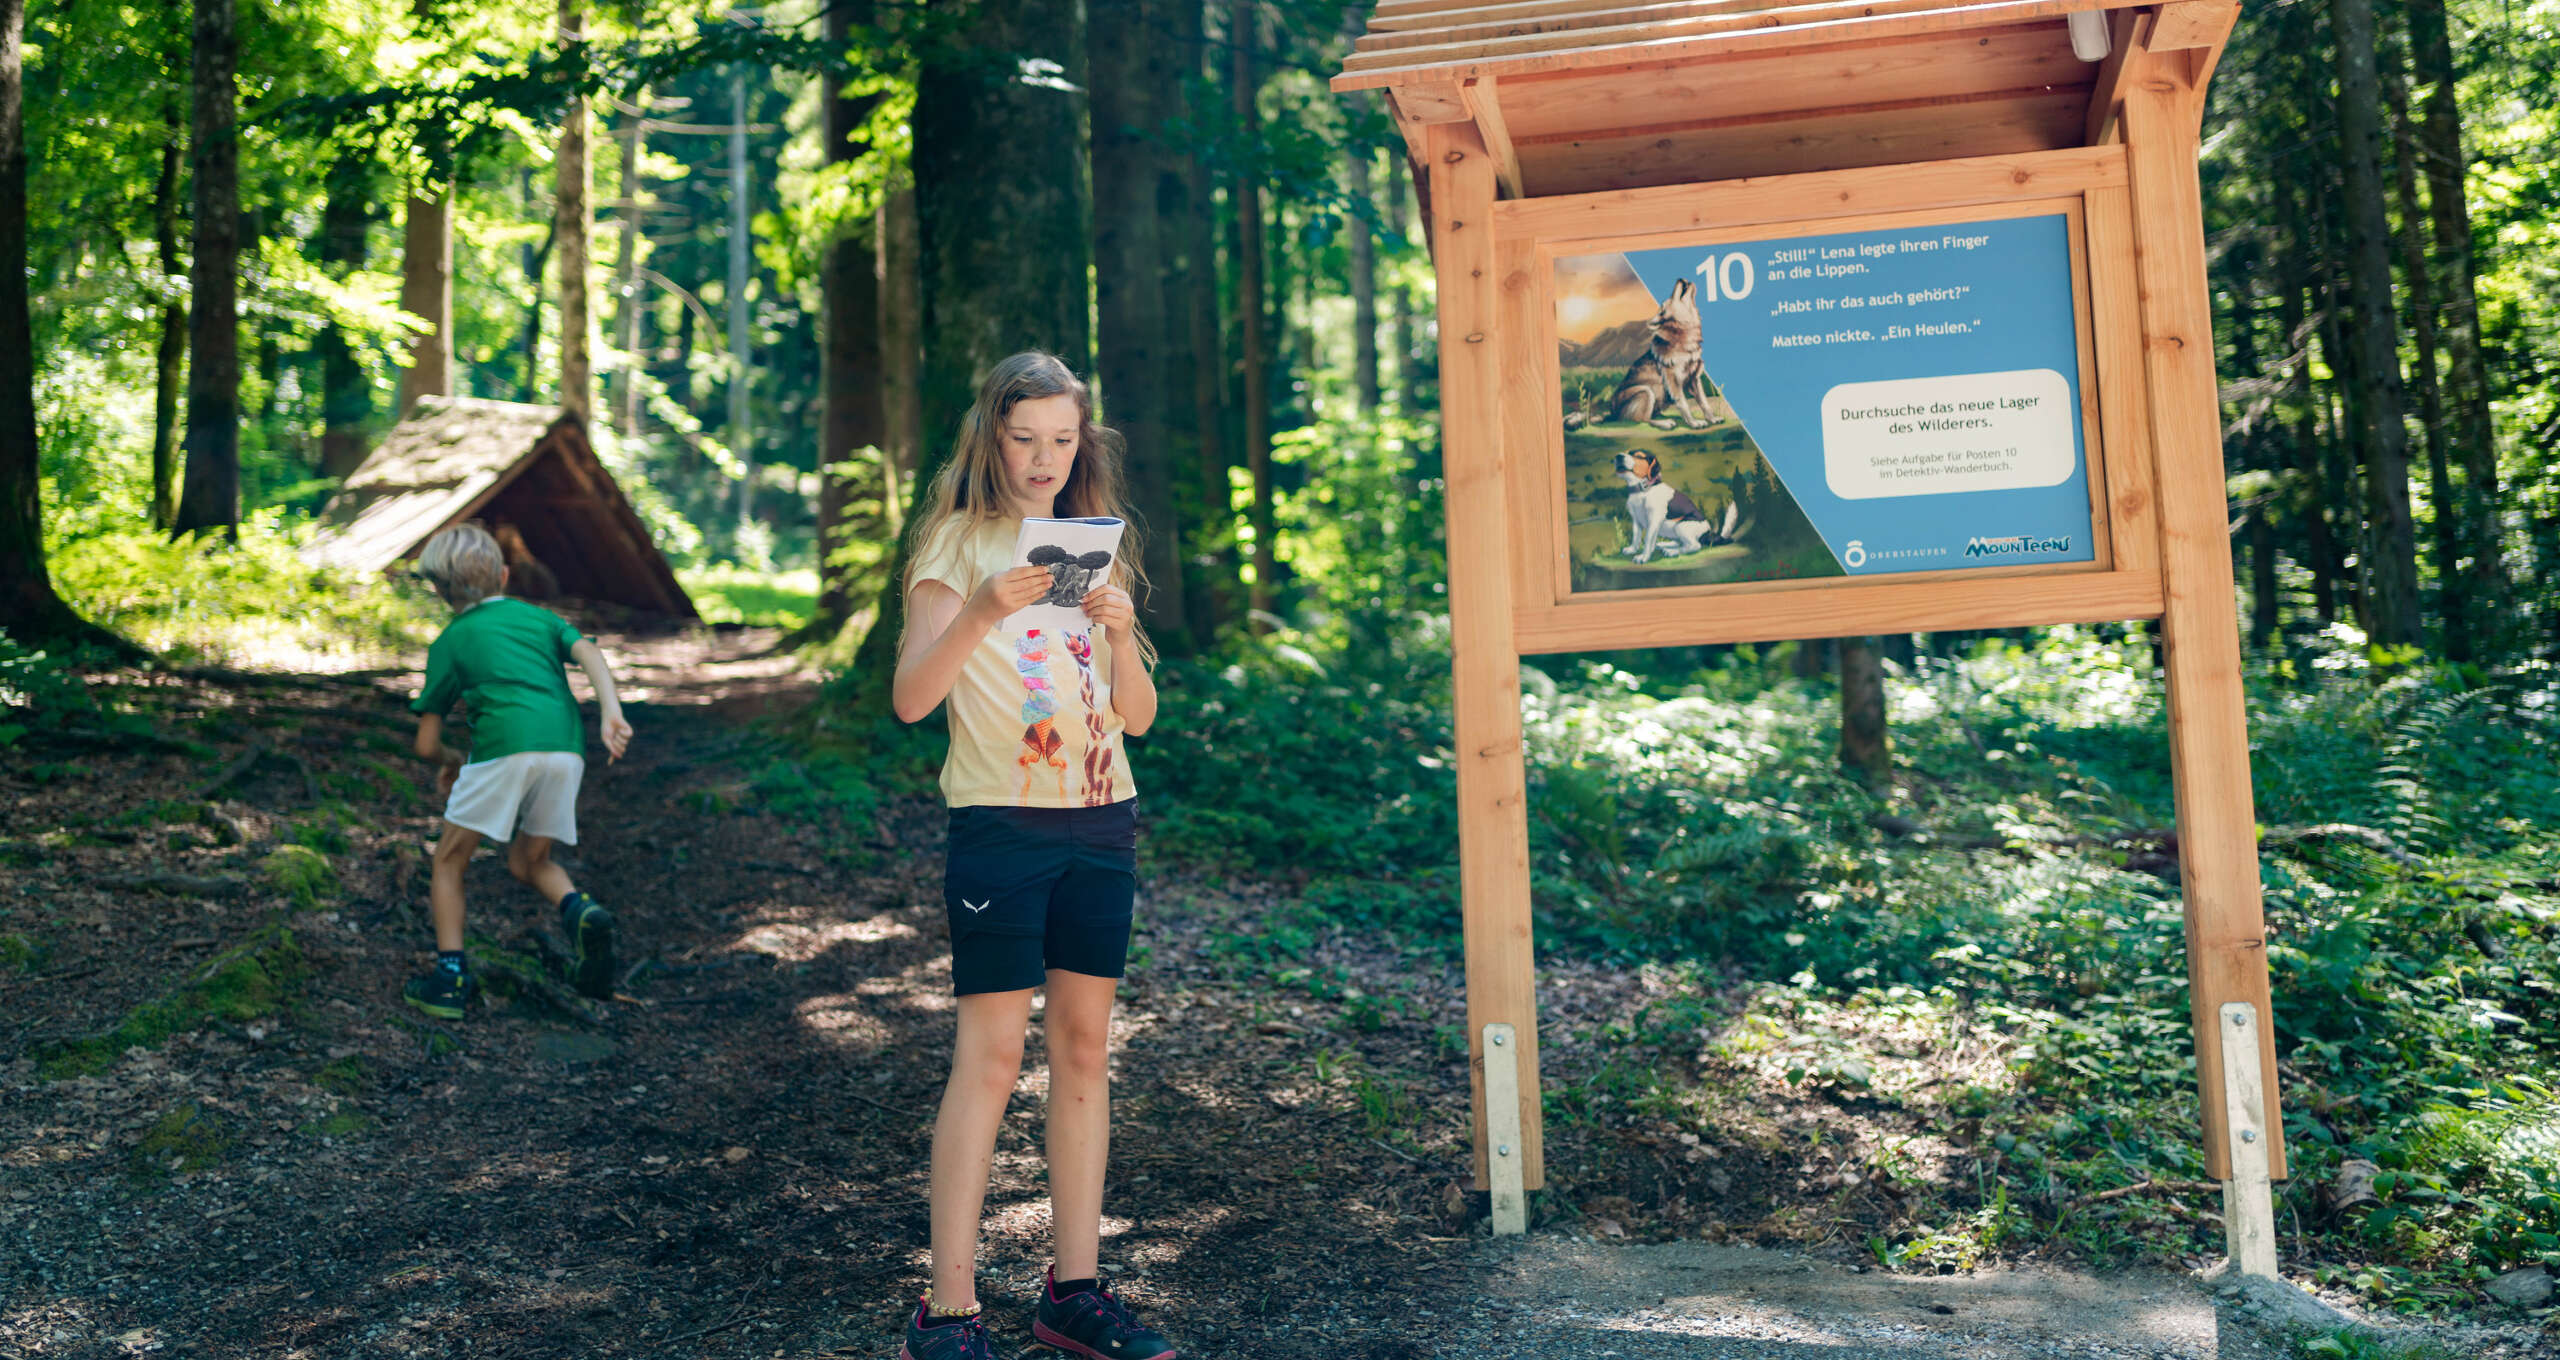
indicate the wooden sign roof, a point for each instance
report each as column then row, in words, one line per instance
column 1574, row 96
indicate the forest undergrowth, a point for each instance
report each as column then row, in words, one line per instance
column 1938, row 1024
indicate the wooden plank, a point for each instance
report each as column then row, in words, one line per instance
column 2126, row 30
column 2027, row 123
column 1433, row 101
column 2124, row 415
column 1493, row 826
column 1833, row 608
column 1407, row 18
column 1691, row 208
column 1614, row 29
column 2096, row 452
column 1484, row 101
column 2019, row 56
column 2185, row 24
column 1498, row 23
column 2208, row 724
column 1532, row 408
column 1369, row 71
column 2248, row 1203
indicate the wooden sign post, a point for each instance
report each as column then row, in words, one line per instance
column 1823, row 320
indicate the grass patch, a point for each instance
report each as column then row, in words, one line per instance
column 19, row 953
column 253, row 979
column 725, row 592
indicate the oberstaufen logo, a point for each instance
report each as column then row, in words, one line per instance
column 2015, row 545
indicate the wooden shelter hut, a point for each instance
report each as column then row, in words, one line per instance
column 527, row 472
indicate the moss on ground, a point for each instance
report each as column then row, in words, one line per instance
column 188, row 1138
column 256, row 978
column 300, row 873
column 345, row 1077
column 19, row 953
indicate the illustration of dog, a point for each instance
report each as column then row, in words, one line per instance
column 1672, row 370
column 1664, row 516
column 1070, row 576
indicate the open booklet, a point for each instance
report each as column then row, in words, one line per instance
column 1078, row 554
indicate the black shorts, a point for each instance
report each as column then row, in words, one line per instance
column 1031, row 889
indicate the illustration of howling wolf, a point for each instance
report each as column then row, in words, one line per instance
column 1672, row 370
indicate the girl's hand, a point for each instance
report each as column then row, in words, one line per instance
column 446, row 772
column 1006, row 591
column 617, row 735
column 1111, row 607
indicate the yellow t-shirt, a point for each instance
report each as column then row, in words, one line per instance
column 1031, row 717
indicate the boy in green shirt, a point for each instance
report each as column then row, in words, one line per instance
column 528, row 752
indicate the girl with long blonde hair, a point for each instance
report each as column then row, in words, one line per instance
column 1040, row 876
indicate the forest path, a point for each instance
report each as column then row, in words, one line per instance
column 731, row 1161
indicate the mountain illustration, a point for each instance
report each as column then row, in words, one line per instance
column 1615, row 347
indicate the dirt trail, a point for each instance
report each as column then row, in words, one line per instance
column 732, row 1162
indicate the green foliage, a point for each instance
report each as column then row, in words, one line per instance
column 248, row 981
column 253, row 602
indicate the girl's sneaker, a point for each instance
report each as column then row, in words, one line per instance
column 965, row 1339
column 440, row 993
column 590, row 930
column 1094, row 1323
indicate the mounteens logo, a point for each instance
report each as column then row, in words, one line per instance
column 2015, row 545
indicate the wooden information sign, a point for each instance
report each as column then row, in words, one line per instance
column 1765, row 320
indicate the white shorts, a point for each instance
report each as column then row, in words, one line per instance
column 538, row 787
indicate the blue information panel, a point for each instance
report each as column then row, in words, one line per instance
column 1851, row 404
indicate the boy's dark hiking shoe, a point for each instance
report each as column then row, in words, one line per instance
column 590, row 930
column 441, row 993
column 1094, row 1323
column 952, row 1339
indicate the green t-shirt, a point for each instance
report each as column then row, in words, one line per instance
column 506, row 658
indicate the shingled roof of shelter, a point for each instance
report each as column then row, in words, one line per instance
column 428, row 471
column 528, row 467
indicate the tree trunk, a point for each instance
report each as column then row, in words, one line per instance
column 850, row 355
column 2453, row 588
column 426, row 292
column 2390, row 573
column 1211, row 588
column 535, row 259
column 346, row 399
column 2262, row 579
column 211, row 497
column 741, row 320
column 29, row 610
column 1003, row 236
column 2474, row 431
column 1138, row 185
column 572, row 221
column 1242, row 35
column 1364, row 285
column 901, row 358
column 1400, row 302
column 626, row 274
column 1864, row 750
column 173, row 325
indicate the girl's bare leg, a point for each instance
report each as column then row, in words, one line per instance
column 1079, row 1035
column 986, row 1060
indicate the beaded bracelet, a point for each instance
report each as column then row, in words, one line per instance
column 938, row 1310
